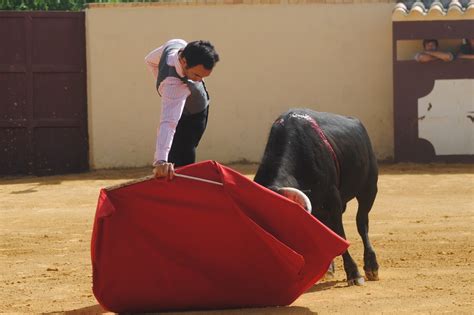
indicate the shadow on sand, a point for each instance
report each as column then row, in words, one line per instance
column 287, row 310
column 326, row 285
column 106, row 174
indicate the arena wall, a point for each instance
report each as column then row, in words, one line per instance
column 334, row 57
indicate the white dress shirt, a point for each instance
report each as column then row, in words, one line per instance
column 173, row 94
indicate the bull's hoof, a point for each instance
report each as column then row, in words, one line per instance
column 372, row 275
column 357, row 281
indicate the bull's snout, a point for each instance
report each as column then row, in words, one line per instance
column 297, row 196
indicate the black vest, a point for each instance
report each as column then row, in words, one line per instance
column 198, row 100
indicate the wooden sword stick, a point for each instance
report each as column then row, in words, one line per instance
column 139, row 180
column 198, row 179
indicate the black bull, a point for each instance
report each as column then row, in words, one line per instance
column 330, row 158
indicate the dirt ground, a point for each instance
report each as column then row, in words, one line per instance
column 421, row 228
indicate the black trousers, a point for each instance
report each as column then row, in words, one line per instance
column 186, row 139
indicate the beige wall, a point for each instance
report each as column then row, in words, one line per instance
column 328, row 57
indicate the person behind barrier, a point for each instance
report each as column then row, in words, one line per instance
column 431, row 53
column 179, row 69
column 466, row 51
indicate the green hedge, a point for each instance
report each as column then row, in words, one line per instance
column 54, row 5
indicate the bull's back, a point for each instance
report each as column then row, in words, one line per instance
column 294, row 142
column 346, row 134
column 352, row 146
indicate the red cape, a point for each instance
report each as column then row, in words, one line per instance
column 182, row 244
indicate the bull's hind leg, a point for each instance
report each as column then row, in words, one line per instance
column 371, row 267
column 335, row 208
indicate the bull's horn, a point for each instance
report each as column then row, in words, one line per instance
column 297, row 196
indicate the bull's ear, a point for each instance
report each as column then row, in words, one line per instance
column 297, row 196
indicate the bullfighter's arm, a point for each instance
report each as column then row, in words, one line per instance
column 174, row 94
column 153, row 59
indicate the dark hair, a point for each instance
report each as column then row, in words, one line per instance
column 426, row 41
column 200, row 52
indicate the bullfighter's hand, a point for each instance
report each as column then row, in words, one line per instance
column 164, row 169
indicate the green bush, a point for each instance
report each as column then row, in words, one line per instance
column 54, row 5
column 43, row 5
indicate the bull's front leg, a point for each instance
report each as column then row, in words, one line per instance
column 335, row 208
column 323, row 215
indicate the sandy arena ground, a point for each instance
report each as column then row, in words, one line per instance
column 421, row 228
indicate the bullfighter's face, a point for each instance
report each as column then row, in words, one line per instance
column 196, row 73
